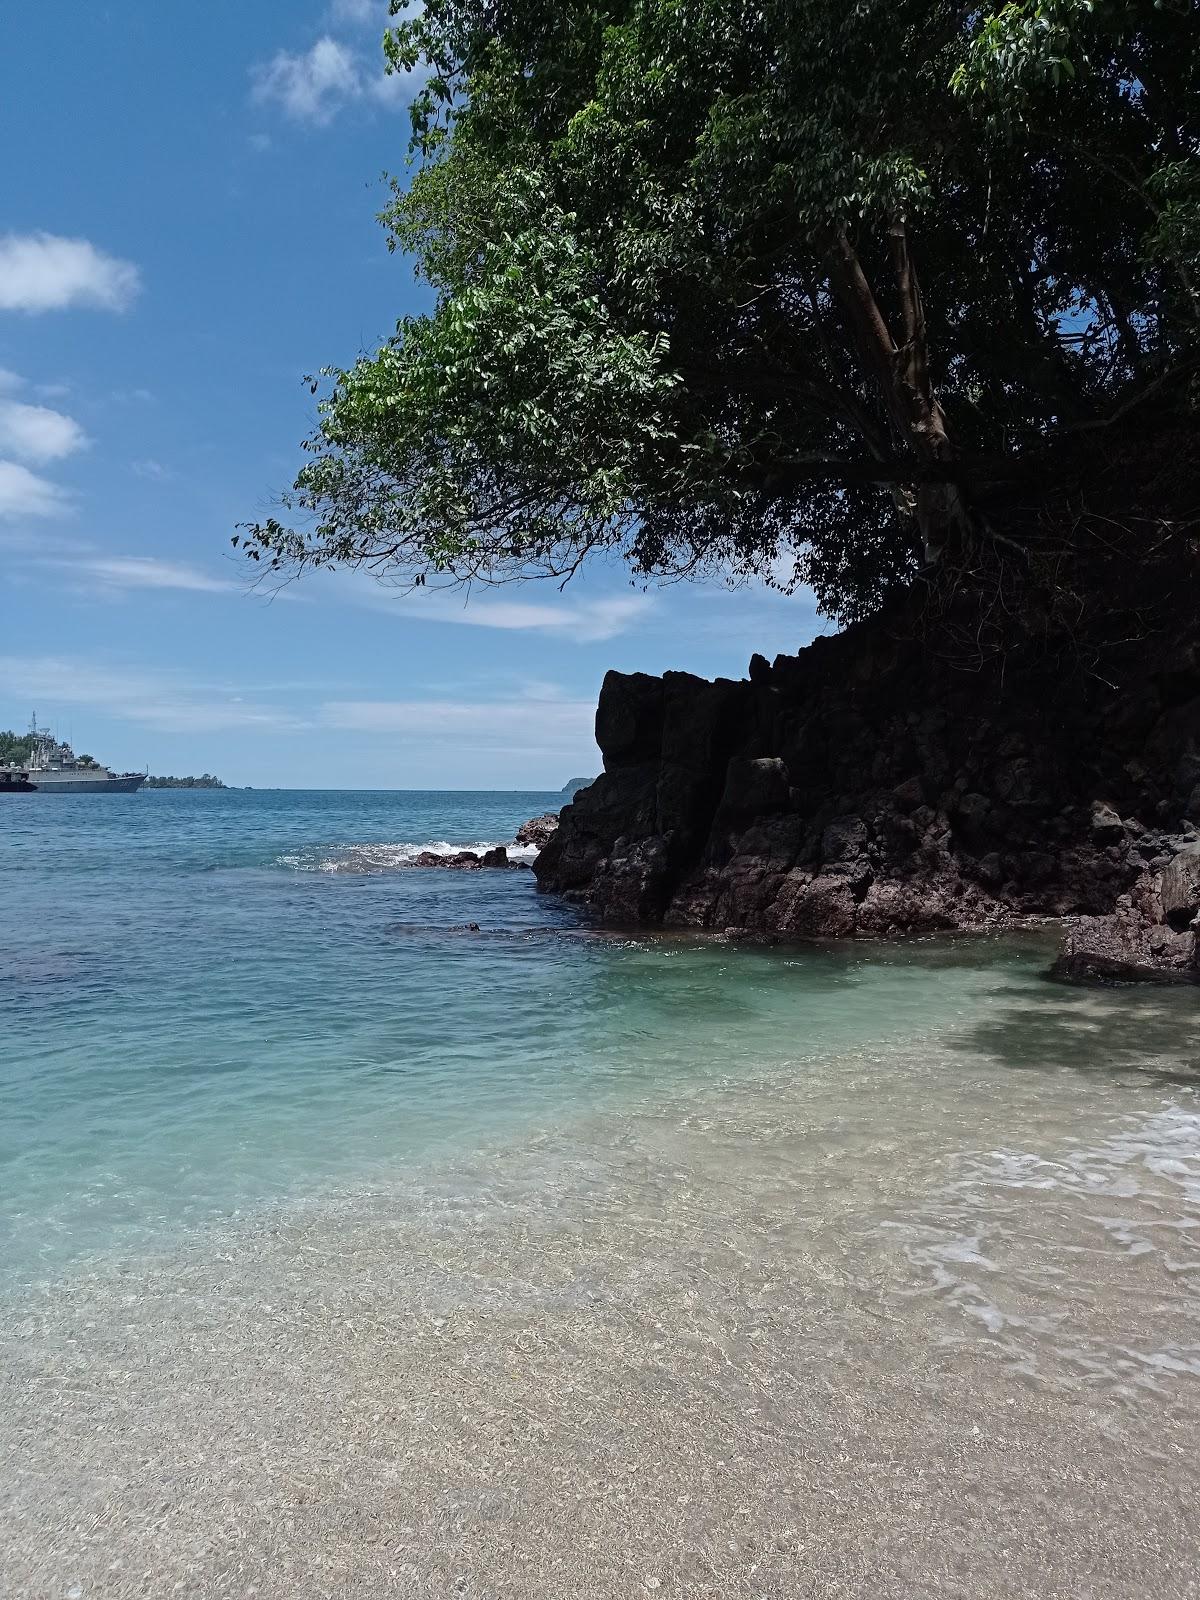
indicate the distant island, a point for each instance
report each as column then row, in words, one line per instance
column 575, row 784
column 205, row 781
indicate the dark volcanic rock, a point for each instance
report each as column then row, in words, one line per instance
column 464, row 860
column 866, row 788
column 538, row 831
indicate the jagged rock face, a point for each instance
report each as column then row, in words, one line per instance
column 864, row 788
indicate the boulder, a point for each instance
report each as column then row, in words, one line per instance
column 1107, row 827
column 461, row 861
column 1179, row 889
column 1125, row 948
column 464, row 860
column 538, row 831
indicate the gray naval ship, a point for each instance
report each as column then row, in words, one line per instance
column 54, row 768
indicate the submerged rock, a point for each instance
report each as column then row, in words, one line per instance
column 865, row 788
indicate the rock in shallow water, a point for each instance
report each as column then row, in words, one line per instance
column 464, row 860
column 538, row 831
column 863, row 788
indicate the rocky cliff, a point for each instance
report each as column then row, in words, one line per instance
column 870, row 787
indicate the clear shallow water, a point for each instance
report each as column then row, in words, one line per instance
column 210, row 996
column 764, row 1272
column 216, row 999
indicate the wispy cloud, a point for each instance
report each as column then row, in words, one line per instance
column 82, row 568
column 45, row 272
column 27, row 494
column 152, row 699
column 149, row 468
column 528, row 723
column 149, row 572
column 582, row 621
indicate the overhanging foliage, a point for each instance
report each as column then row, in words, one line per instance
column 798, row 287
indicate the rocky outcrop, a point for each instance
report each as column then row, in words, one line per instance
column 1151, row 935
column 465, row 860
column 867, row 788
column 538, row 831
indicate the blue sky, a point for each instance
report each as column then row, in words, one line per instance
column 186, row 228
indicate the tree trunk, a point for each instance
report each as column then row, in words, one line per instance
column 940, row 511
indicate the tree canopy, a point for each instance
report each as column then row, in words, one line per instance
column 823, row 289
column 15, row 748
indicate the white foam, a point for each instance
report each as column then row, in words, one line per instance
column 388, row 857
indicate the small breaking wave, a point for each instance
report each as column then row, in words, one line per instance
column 367, row 859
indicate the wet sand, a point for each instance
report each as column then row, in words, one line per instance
column 918, row 1325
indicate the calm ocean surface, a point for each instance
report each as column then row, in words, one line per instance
column 210, row 997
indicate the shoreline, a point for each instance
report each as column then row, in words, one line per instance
column 785, row 1333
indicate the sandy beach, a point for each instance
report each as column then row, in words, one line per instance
column 893, row 1328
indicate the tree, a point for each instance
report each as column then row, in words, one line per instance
column 831, row 290
column 15, row 748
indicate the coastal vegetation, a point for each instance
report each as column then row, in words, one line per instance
column 841, row 295
column 204, row 781
column 17, row 748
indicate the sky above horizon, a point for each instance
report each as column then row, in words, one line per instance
column 187, row 227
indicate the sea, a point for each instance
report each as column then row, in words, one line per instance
column 371, row 1229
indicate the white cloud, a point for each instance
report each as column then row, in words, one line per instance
column 44, row 272
column 36, row 433
column 27, row 494
column 582, row 621
column 148, row 572
column 588, row 622
column 147, row 467
column 550, row 724
column 153, row 699
column 314, row 85
column 310, row 87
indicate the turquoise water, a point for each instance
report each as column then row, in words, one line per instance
column 211, row 1000
column 345, row 1249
